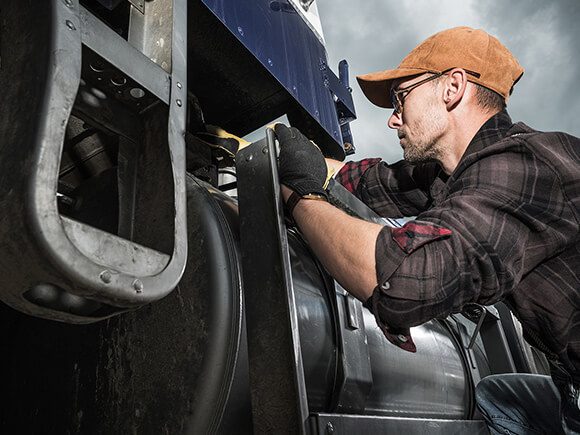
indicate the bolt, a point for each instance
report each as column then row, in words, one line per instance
column 179, row 85
column 138, row 285
column 106, row 276
column 178, row 102
column 70, row 25
column 329, row 428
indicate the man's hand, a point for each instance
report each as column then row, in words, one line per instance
column 301, row 164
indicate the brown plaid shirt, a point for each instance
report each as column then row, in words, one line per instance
column 503, row 226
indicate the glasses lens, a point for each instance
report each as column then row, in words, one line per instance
column 395, row 101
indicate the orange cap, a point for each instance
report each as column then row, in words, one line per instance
column 461, row 47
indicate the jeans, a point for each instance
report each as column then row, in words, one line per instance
column 517, row 403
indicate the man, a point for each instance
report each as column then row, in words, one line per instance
column 497, row 218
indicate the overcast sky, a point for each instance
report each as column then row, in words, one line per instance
column 544, row 36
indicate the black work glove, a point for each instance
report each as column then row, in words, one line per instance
column 301, row 165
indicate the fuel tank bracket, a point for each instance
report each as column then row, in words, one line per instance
column 279, row 400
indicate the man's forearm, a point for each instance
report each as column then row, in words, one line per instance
column 345, row 245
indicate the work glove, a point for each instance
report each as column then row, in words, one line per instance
column 225, row 144
column 301, row 165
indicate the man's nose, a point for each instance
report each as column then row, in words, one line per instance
column 395, row 120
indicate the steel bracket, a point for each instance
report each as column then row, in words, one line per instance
column 50, row 265
column 279, row 401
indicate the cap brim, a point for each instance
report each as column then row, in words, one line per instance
column 377, row 86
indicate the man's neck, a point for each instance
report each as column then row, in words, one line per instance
column 463, row 130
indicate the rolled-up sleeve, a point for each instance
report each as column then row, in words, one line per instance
column 391, row 190
column 501, row 220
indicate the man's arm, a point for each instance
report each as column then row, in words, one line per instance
column 391, row 190
column 345, row 245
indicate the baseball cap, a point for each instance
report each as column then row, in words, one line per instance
column 489, row 62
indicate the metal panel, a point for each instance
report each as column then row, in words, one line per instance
column 106, row 113
column 332, row 424
column 150, row 31
column 114, row 49
column 284, row 44
column 430, row 383
column 279, row 401
column 354, row 377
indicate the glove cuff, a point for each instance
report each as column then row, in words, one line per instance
column 305, row 187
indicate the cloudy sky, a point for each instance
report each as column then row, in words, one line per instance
column 543, row 35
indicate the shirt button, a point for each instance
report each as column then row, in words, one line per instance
column 385, row 285
column 402, row 338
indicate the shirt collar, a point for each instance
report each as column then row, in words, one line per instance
column 492, row 131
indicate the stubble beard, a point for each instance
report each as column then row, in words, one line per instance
column 424, row 145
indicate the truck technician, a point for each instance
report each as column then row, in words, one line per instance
column 497, row 209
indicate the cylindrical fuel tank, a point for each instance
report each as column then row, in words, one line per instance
column 430, row 383
column 180, row 365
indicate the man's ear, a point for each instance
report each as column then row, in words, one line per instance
column 454, row 88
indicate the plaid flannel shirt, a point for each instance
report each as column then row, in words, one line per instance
column 503, row 226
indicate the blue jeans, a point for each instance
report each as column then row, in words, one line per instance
column 517, row 403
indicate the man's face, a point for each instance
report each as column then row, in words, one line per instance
column 423, row 120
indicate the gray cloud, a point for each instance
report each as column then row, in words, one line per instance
column 545, row 37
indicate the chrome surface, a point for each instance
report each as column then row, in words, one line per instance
column 429, row 383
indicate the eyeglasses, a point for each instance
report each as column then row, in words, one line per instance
column 398, row 97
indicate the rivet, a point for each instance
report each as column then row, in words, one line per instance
column 179, row 85
column 386, row 285
column 69, row 3
column 106, row 276
column 329, row 428
column 138, row 285
column 241, row 31
column 402, row 338
column 265, row 150
column 249, row 158
column 119, row 81
column 70, row 25
column 178, row 102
